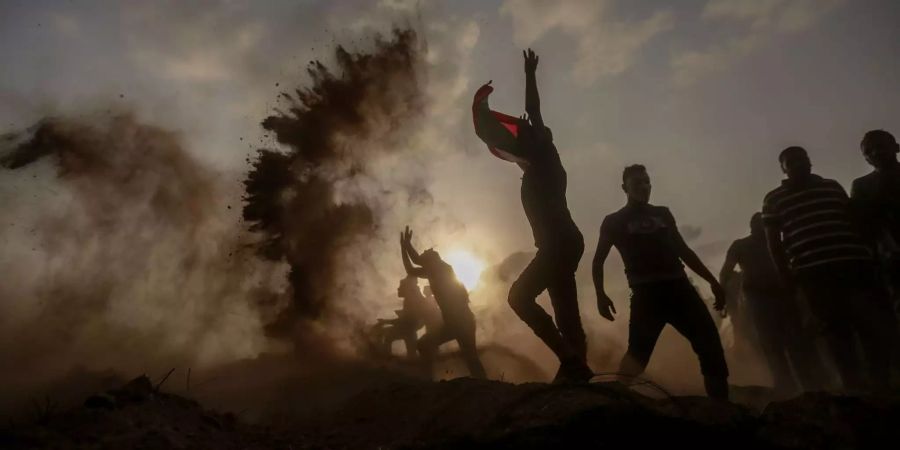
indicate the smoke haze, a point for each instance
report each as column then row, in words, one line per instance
column 163, row 204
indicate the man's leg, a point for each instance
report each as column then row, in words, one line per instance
column 409, row 338
column 892, row 280
column 828, row 301
column 747, row 342
column 564, row 298
column 428, row 346
column 523, row 300
column 693, row 321
column 768, row 320
column 465, row 337
column 389, row 335
column 800, row 344
column 644, row 326
column 877, row 330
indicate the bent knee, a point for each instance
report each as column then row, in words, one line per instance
column 518, row 297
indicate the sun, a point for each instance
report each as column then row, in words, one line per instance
column 467, row 266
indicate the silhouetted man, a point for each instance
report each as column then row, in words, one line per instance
column 653, row 250
column 559, row 243
column 453, row 301
column 745, row 340
column 418, row 311
column 774, row 311
column 876, row 197
column 813, row 241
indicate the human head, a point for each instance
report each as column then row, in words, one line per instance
column 756, row 224
column 795, row 162
column 636, row 184
column 430, row 258
column 879, row 148
column 408, row 287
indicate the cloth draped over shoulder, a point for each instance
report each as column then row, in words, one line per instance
column 499, row 131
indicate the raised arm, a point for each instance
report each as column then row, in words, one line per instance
column 604, row 303
column 407, row 252
column 532, row 99
column 694, row 263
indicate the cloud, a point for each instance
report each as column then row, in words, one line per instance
column 407, row 6
column 759, row 12
column 605, row 46
column 191, row 47
column 759, row 23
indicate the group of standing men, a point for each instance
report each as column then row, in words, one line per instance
column 647, row 236
column 812, row 241
column 810, row 235
column 815, row 248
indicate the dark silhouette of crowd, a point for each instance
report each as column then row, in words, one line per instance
column 819, row 278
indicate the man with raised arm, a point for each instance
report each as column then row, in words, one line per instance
column 560, row 245
column 453, row 300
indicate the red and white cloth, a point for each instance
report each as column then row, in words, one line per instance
column 499, row 131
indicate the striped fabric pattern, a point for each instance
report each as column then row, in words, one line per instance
column 815, row 223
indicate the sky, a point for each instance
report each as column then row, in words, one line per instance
column 705, row 93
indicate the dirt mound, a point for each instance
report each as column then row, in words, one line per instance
column 466, row 413
column 820, row 420
column 138, row 416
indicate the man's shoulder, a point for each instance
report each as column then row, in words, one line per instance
column 615, row 215
column 742, row 243
column 775, row 193
column 828, row 182
column 614, row 221
column 864, row 182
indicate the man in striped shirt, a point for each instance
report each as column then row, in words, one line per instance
column 774, row 313
column 815, row 244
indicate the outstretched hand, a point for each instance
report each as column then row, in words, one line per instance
column 531, row 60
column 406, row 236
column 605, row 307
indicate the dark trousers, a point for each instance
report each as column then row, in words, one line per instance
column 783, row 339
column 553, row 269
column 677, row 303
column 892, row 275
column 848, row 301
column 401, row 330
column 459, row 326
